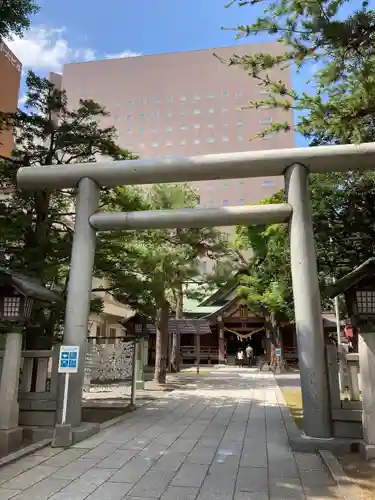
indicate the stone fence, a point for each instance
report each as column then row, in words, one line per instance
column 345, row 394
column 108, row 362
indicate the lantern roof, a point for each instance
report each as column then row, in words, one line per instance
column 28, row 286
column 351, row 279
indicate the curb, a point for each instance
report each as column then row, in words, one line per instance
column 347, row 490
column 23, row 452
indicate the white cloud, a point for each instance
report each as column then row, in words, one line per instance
column 47, row 49
column 125, row 53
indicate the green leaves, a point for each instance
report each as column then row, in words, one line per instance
column 15, row 17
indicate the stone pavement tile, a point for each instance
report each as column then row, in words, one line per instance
column 110, row 491
column 253, row 459
column 170, row 461
column 116, row 460
column 321, row 492
column 88, row 482
column 190, row 475
column 9, row 471
column 132, row 471
column 202, row 455
column 75, row 468
column 218, row 484
column 177, row 493
column 47, row 451
column 42, row 490
column 286, row 488
column 184, row 445
column 283, row 468
column 242, row 495
column 64, row 458
column 252, row 479
column 309, row 461
column 226, row 466
column 153, row 484
column 7, row 494
column 29, row 477
column 153, row 452
column 102, row 451
column 68, row 496
column 313, row 477
column 137, row 443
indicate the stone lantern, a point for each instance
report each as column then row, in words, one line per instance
column 359, row 290
column 18, row 295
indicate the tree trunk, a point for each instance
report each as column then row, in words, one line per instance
column 280, row 364
column 175, row 351
column 162, row 335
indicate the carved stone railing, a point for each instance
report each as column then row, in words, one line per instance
column 37, row 387
column 345, row 396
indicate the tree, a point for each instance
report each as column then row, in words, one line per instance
column 341, row 107
column 344, row 228
column 15, row 17
column 147, row 269
column 36, row 227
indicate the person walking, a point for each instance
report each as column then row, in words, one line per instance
column 249, row 355
column 240, row 357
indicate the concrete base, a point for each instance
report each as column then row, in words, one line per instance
column 306, row 444
column 10, row 440
column 367, row 451
column 65, row 435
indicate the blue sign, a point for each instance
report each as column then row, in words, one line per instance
column 68, row 360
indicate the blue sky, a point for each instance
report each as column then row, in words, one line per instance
column 71, row 30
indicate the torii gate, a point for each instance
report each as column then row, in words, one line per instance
column 294, row 164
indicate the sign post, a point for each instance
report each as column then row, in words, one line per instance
column 68, row 363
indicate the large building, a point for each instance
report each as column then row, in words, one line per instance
column 186, row 103
column 10, row 76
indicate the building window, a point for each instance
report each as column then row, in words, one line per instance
column 240, row 138
column 141, row 129
column 197, row 141
column 183, row 98
column 183, row 142
column 155, row 144
column 225, row 203
column 211, row 110
column 225, row 93
column 156, row 114
column 112, row 332
column 225, row 139
column 197, row 125
column 169, row 114
column 242, row 201
column 129, row 116
column 142, row 116
column 169, row 129
column 197, row 112
column 268, row 184
column 210, row 140
column 182, row 127
column 168, row 144
column 265, row 121
column 239, row 123
column 98, row 331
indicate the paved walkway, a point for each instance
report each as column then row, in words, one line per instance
column 221, row 438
